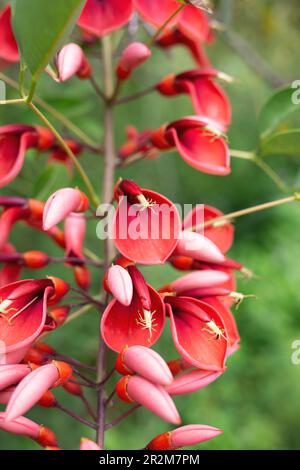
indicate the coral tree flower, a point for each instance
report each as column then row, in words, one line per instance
column 198, row 247
column 120, row 284
column 105, row 16
column 8, row 46
column 71, row 61
column 11, row 374
column 32, row 388
column 192, row 381
column 61, row 203
column 191, row 20
column 135, row 389
column 25, row 427
column 190, row 435
column 23, row 314
column 199, row 141
column 198, row 332
column 176, row 37
column 14, row 141
column 140, row 323
column 75, row 229
column 132, row 57
column 146, row 225
column 208, row 98
column 144, row 362
column 11, row 271
column 222, row 234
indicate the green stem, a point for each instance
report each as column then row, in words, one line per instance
column 17, row 101
column 84, row 176
column 163, row 26
column 108, row 184
column 242, row 154
column 250, row 210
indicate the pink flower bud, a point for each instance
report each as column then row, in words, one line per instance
column 61, row 203
column 120, row 284
column 87, row 444
column 25, row 427
column 75, row 228
column 134, row 55
column 150, row 395
column 190, row 435
column 199, row 247
column 192, row 381
column 31, row 389
column 199, row 279
column 147, row 363
column 12, row 374
column 70, row 61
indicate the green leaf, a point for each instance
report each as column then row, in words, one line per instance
column 54, row 177
column 285, row 143
column 277, row 109
column 41, row 27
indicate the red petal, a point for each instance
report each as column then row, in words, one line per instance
column 229, row 322
column 194, row 23
column 139, row 245
column 202, row 151
column 156, row 12
column 8, row 46
column 222, row 236
column 119, row 326
column 105, row 16
column 196, row 346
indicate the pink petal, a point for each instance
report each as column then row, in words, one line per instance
column 199, row 279
column 197, row 246
column 30, row 390
column 149, row 364
column 154, row 398
column 120, row 284
column 192, row 381
column 192, row 435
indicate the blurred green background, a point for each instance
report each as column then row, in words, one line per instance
column 256, row 402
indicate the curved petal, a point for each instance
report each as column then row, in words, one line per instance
column 192, row 381
column 202, row 150
column 12, row 154
column 8, row 45
column 209, row 100
column 147, row 236
column 221, row 235
column 120, row 325
column 102, row 17
column 194, row 23
column 18, row 335
column 229, row 322
column 156, row 12
column 192, row 337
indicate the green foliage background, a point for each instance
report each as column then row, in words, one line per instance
column 256, row 401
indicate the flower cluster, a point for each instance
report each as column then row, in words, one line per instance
column 196, row 307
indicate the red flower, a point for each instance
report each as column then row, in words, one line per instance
column 133, row 325
column 191, row 20
column 208, row 98
column 177, row 37
column 8, row 46
column 222, row 234
column 23, row 313
column 198, row 332
column 146, row 226
column 199, row 141
column 14, row 141
column 101, row 17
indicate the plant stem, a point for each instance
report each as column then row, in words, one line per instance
column 108, row 183
column 17, row 101
column 97, row 88
column 250, row 210
column 78, row 313
column 73, row 362
column 56, row 114
column 123, row 416
column 135, row 96
column 245, row 155
column 73, row 415
column 163, row 26
column 66, row 148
